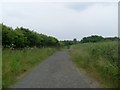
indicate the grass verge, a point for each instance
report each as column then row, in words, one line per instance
column 0, row 67
column 100, row 60
column 16, row 62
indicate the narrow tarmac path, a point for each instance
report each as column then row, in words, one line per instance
column 58, row 71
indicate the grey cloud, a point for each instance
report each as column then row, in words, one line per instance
column 80, row 5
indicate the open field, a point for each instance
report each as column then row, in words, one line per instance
column 99, row 60
column 16, row 62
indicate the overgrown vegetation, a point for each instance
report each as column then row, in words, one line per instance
column 0, row 67
column 21, row 50
column 0, row 56
column 16, row 62
column 100, row 60
column 25, row 38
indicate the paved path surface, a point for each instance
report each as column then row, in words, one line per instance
column 56, row 72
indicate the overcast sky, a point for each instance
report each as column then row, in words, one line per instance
column 63, row 20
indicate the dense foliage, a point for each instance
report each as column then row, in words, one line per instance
column 22, row 37
column 96, row 38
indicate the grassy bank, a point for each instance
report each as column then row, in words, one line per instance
column 0, row 67
column 16, row 62
column 100, row 60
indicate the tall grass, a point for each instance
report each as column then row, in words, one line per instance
column 16, row 62
column 99, row 59
column 0, row 68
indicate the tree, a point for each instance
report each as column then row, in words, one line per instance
column 22, row 37
column 7, row 36
column 93, row 38
column 74, row 40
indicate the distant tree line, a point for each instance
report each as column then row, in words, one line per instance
column 89, row 39
column 96, row 38
column 22, row 37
